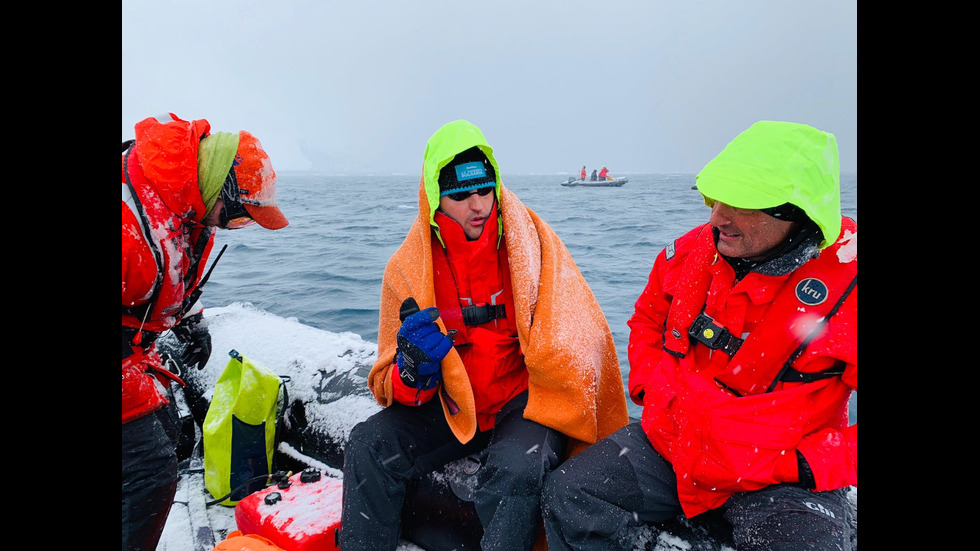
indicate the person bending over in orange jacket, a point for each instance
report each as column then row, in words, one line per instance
column 179, row 181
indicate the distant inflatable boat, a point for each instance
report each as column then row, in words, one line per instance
column 610, row 182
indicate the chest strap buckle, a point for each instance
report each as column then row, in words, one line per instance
column 483, row 313
column 710, row 333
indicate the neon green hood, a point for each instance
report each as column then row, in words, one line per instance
column 452, row 138
column 774, row 162
column 214, row 159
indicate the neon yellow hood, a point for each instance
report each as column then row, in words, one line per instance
column 214, row 159
column 452, row 138
column 775, row 162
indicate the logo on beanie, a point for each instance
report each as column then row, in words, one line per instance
column 811, row 291
column 469, row 171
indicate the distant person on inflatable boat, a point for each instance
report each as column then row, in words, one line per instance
column 528, row 376
column 743, row 354
column 178, row 182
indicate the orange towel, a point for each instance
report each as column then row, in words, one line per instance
column 575, row 385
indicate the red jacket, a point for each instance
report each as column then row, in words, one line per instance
column 476, row 273
column 603, row 173
column 720, row 440
column 164, row 247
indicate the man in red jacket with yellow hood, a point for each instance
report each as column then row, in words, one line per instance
column 743, row 354
column 179, row 181
column 529, row 375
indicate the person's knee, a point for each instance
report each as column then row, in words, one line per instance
column 791, row 530
column 555, row 491
column 786, row 517
column 522, row 471
column 362, row 437
column 377, row 447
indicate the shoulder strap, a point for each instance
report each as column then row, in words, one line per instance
column 280, row 435
column 788, row 374
column 196, row 293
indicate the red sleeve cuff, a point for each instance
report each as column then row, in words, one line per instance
column 407, row 395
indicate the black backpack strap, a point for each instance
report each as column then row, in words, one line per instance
column 281, row 418
column 793, row 376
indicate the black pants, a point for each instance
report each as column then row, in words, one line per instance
column 621, row 481
column 401, row 443
column 149, row 481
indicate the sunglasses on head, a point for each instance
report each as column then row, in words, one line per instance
column 463, row 195
column 233, row 215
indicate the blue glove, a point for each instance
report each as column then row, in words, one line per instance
column 193, row 332
column 421, row 348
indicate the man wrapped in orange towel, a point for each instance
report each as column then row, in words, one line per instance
column 503, row 350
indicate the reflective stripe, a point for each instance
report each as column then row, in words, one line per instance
column 130, row 201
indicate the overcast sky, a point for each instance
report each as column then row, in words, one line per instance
column 347, row 87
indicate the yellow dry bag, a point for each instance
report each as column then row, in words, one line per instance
column 240, row 429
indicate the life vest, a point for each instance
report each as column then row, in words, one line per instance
column 812, row 293
column 474, row 296
column 178, row 248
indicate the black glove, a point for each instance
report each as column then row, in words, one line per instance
column 421, row 348
column 193, row 332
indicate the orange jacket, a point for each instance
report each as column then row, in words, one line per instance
column 574, row 382
column 164, row 245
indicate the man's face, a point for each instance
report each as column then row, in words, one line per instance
column 471, row 213
column 747, row 233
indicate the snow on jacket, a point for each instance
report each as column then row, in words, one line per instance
column 574, row 382
column 164, row 246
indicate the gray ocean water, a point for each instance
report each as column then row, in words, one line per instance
column 325, row 268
